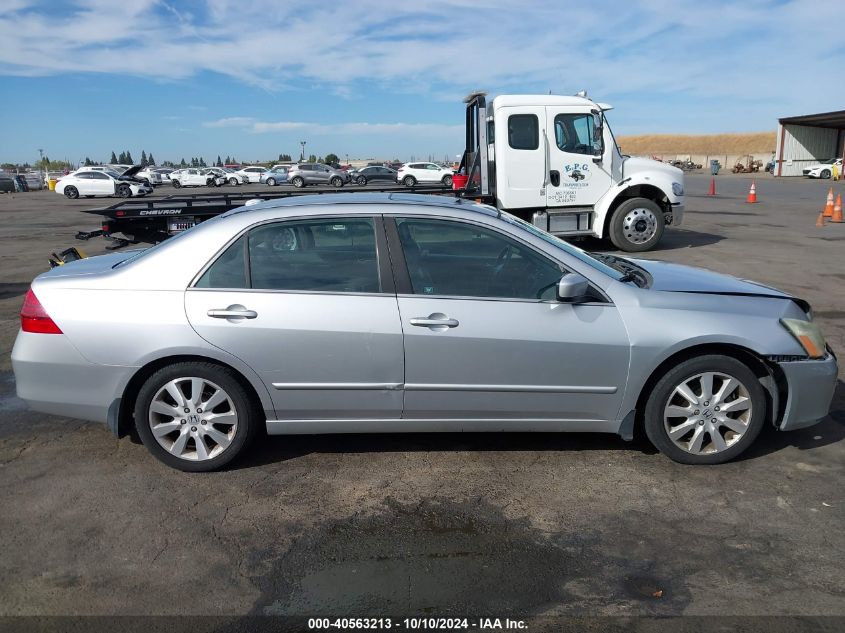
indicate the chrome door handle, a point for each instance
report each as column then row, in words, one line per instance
column 435, row 320
column 233, row 312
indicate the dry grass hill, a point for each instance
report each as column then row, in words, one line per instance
column 712, row 144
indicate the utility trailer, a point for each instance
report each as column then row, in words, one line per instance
column 553, row 161
column 153, row 220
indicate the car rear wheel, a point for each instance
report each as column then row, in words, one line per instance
column 447, row 180
column 271, row 182
column 825, row 174
column 336, row 181
column 124, row 191
column 706, row 410
column 195, row 416
column 176, row 184
column 233, row 181
column 409, row 181
column 361, row 180
column 298, row 182
column 637, row 225
column 71, row 192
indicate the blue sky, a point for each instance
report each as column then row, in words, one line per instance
column 385, row 79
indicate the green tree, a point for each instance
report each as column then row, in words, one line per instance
column 285, row 158
column 183, row 163
column 129, row 160
column 88, row 162
column 228, row 160
column 121, row 159
column 113, row 159
column 150, row 159
column 312, row 159
column 219, row 162
column 143, row 158
column 332, row 159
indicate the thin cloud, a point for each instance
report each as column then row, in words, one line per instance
column 255, row 126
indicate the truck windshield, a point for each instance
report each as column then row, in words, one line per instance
column 576, row 252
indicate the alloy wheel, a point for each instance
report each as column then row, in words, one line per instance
column 193, row 418
column 708, row 413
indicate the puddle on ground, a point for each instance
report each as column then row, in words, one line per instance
column 444, row 557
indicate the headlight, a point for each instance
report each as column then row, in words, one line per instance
column 808, row 335
column 677, row 189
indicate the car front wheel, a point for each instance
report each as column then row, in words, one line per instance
column 361, row 180
column 195, row 416
column 176, row 184
column 271, row 182
column 337, row 182
column 124, row 191
column 705, row 410
column 298, row 182
column 825, row 174
column 71, row 192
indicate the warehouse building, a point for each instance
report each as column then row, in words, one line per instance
column 805, row 140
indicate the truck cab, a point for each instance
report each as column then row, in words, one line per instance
column 553, row 161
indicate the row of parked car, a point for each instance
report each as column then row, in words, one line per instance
column 133, row 180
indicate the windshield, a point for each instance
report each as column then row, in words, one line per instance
column 581, row 255
column 113, row 174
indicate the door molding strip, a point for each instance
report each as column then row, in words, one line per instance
column 393, row 386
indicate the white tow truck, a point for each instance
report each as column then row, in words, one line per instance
column 552, row 160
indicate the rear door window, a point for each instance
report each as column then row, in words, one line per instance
column 524, row 131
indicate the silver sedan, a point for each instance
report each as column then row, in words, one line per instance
column 372, row 312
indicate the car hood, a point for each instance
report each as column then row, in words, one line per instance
column 636, row 164
column 679, row 278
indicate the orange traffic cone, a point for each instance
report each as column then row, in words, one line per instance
column 828, row 208
column 752, row 193
column 712, row 191
column 820, row 220
column 837, row 210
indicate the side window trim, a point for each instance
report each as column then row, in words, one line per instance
column 400, row 266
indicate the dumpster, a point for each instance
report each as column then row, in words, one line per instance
column 51, row 184
column 715, row 166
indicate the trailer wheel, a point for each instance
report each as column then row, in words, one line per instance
column 298, row 182
column 124, row 191
column 409, row 181
column 71, row 192
column 176, row 184
column 637, row 225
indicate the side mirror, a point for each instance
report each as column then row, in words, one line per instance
column 598, row 137
column 573, row 288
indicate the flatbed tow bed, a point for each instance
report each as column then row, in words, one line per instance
column 152, row 220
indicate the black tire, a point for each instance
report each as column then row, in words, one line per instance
column 361, row 180
column 298, row 182
column 409, row 181
column 71, row 192
column 626, row 220
column 233, row 181
column 271, row 182
column 447, row 180
column 662, row 391
column 176, row 184
column 825, row 174
column 248, row 412
column 337, row 182
column 124, row 191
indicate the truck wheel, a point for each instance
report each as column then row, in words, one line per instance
column 637, row 225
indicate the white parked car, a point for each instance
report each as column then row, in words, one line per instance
column 191, row 177
column 223, row 176
column 823, row 169
column 92, row 182
column 410, row 174
column 252, row 173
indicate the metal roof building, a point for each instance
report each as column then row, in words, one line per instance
column 805, row 140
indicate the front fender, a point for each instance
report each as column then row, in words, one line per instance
column 657, row 187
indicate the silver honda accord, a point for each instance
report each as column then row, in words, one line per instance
column 397, row 312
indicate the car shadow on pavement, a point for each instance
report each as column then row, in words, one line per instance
column 276, row 449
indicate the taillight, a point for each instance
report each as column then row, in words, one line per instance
column 34, row 317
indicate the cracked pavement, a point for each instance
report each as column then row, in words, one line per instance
column 518, row 524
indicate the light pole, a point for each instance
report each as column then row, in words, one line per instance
column 41, row 164
column 302, row 155
column 347, row 159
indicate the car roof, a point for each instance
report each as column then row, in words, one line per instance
column 377, row 198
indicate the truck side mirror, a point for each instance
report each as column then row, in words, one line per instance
column 573, row 288
column 598, row 137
